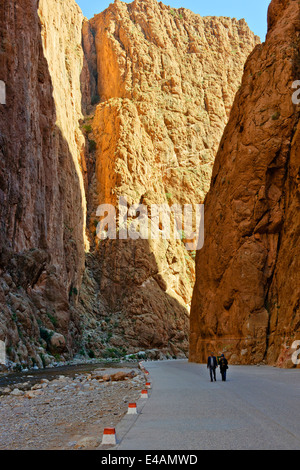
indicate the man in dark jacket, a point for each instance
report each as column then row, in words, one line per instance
column 223, row 363
column 212, row 365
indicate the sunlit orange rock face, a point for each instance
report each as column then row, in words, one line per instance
column 166, row 80
column 246, row 300
column 132, row 103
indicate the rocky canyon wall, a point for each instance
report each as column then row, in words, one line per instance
column 132, row 103
column 42, row 202
column 246, row 300
column 166, row 80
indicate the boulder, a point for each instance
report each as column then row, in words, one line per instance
column 17, row 393
column 57, row 343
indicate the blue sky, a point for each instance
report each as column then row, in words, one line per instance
column 254, row 12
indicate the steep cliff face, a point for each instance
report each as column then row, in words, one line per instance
column 247, row 296
column 132, row 103
column 42, row 203
column 166, row 80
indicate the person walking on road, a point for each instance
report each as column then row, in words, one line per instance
column 212, row 366
column 223, row 363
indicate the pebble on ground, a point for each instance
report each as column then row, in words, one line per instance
column 66, row 413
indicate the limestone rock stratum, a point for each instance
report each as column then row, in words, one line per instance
column 132, row 103
column 247, row 293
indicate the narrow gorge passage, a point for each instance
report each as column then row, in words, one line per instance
column 130, row 104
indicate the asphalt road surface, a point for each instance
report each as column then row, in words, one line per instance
column 257, row 408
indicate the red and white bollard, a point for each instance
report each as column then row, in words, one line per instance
column 148, row 385
column 109, row 437
column 132, row 409
column 144, row 394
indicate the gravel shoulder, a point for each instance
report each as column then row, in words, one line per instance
column 67, row 413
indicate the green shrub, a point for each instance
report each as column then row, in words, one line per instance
column 115, row 353
column 92, row 146
column 109, row 336
column 91, row 354
column 52, row 319
column 141, row 356
column 43, row 360
column 73, row 291
column 132, row 356
column 88, row 128
column 46, row 334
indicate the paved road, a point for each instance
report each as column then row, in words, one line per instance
column 257, row 408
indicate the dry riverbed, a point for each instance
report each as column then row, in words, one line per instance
column 68, row 412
